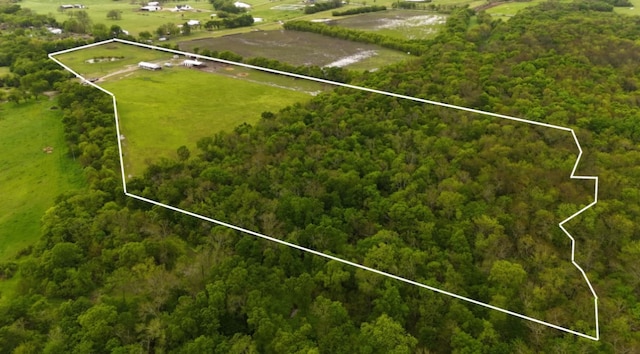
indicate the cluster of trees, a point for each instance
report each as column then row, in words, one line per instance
column 458, row 201
column 322, row 6
column 409, row 5
column 359, row 10
column 229, row 21
column 412, row 46
column 227, row 6
column 114, row 14
column 14, row 17
column 24, row 51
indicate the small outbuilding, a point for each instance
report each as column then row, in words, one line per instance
column 241, row 5
column 189, row 63
column 150, row 8
column 182, row 8
column 149, row 66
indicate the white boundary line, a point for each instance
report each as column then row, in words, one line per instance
column 360, row 266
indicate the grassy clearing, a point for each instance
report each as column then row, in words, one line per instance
column 633, row 10
column 29, row 178
column 123, row 55
column 508, row 10
column 163, row 110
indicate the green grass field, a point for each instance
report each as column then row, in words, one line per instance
column 122, row 54
column 508, row 10
column 163, row 110
column 633, row 10
column 29, row 178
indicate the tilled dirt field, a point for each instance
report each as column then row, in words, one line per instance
column 296, row 48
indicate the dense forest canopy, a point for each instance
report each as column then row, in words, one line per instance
column 451, row 199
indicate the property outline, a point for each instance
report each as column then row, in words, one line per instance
column 328, row 256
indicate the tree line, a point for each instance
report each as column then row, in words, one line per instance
column 414, row 47
column 359, row 10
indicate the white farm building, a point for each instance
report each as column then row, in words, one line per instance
column 150, row 8
column 149, row 66
column 241, row 5
column 189, row 63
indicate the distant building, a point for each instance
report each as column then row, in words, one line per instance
column 193, row 23
column 74, row 6
column 54, row 30
column 149, row 66
column 150, row 8
column 153, row 3
column 189, row 63
column 241, row 5
column 182, row 8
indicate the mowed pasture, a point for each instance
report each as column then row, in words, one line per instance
column 106, row 59
column 34, row 169
column 405, row 24
column 163, row 110
column 300, row 48
column 507, row 10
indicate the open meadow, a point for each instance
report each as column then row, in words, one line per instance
column 634, row 10
column 507, row 10
column 106, row 59
column 34, row 170
column 163, row 110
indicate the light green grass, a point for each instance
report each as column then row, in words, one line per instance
column 633, row 11
column 385, row 57
column 29, row 178
column 4, row 70
column 508, row 10
column 160, row 111
column 127, row 54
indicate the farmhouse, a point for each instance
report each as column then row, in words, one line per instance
column 193, row 23
column 149, row 66
column 74, row 6
column 150, row 8
column 189, row 63
column 241, row 5
column 182, row 8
